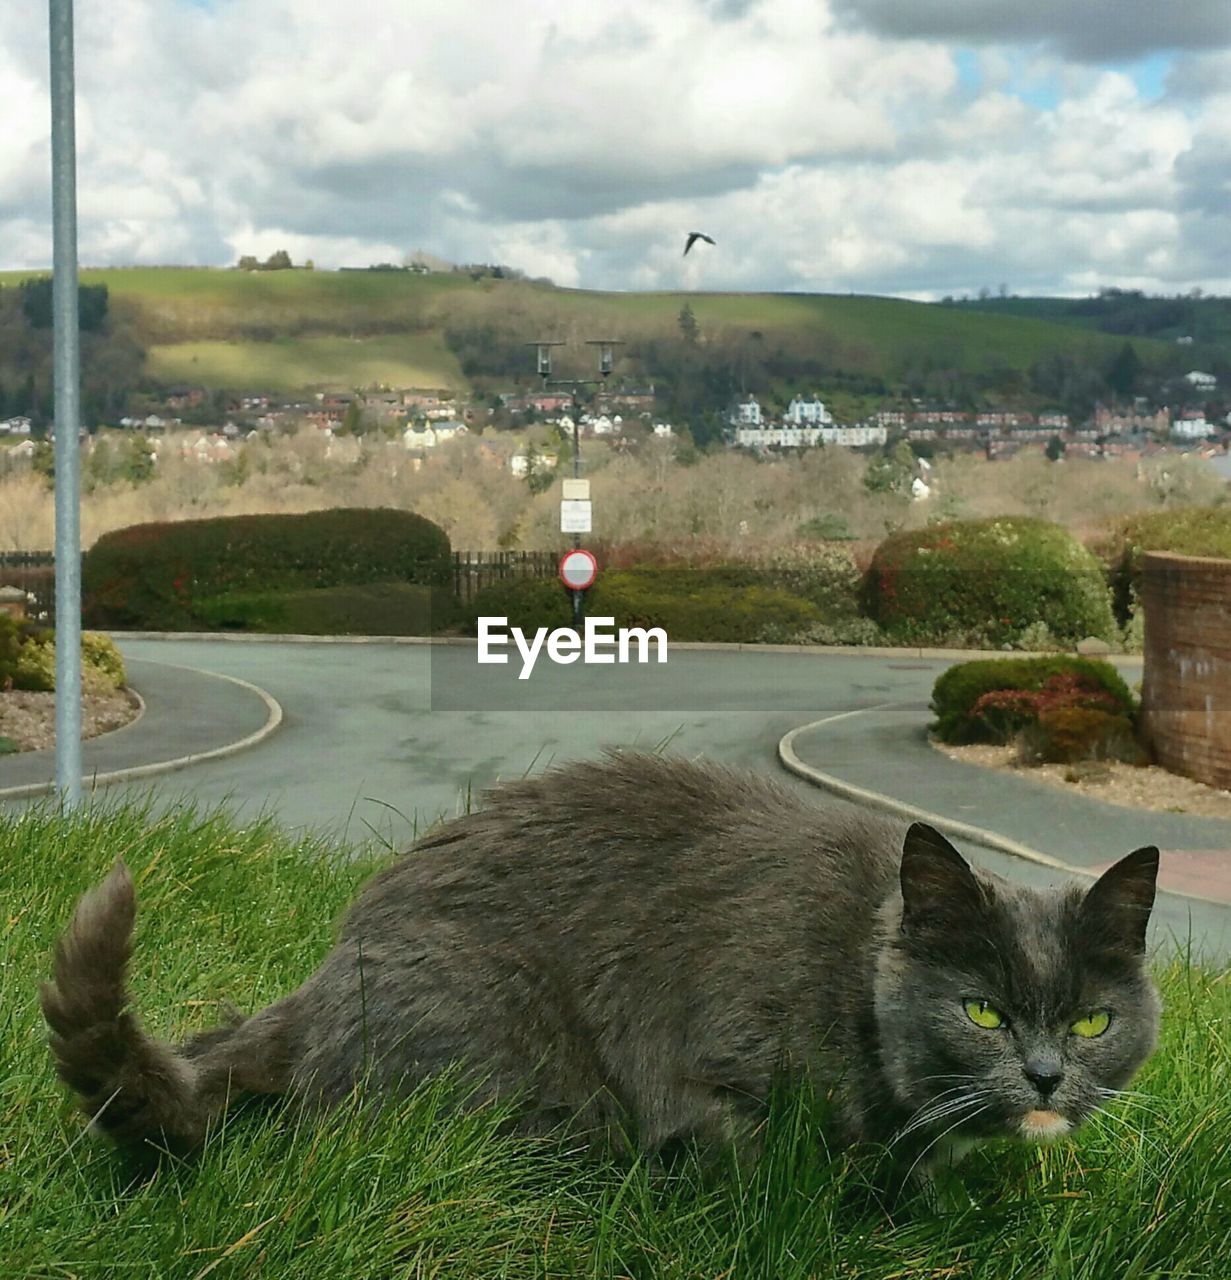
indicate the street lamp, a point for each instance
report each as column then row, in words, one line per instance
column 606, row 361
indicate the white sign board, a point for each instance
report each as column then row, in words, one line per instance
column 574, row 516
column 577, row 490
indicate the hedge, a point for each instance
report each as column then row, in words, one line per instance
column 160, row 575
column 958, row 689
column 372, row 609
column 987, row 583
column 1187, row 531
column 730, row 605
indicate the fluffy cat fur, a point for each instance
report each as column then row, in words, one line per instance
column 638, row 947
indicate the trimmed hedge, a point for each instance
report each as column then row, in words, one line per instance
column 958, row 689
column 731, row 605
column 374, row 609
column 987, row 582
column 1187, row 531
column 160, row 575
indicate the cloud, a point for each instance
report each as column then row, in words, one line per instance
column 580, row 142
column 1098, row 31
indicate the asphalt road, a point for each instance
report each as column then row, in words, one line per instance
column 379, row 740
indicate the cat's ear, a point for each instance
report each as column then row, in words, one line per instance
column 1116, row 910
column 939, row 890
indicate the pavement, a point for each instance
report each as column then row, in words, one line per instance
column 376, row 740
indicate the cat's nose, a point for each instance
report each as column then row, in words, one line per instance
column 1045, row 1073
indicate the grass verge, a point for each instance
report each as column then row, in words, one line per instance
column 414, row 1189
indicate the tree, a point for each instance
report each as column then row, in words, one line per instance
column 36, row 303
column 1055, row 448
column 688, row 324
column 892, row 471
column 1125, row 370
column 353, row 423
column 279, row 260
column 248, row 263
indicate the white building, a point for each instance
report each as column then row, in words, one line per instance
column 19, row 426
column 1201, row 381
column 789, row 437
column 745, row 413
column 1191, row 426
column 663, row 429
column 807, row 413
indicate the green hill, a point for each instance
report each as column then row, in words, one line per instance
column 297, row 329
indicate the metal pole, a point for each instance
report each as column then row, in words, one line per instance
column 67, row 367
column 577, row 595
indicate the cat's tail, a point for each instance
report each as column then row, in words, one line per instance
column 132, row 1086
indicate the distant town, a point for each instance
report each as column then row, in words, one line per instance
column 424, row 420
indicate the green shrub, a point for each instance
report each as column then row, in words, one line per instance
column 958, row 691
column 987, row 581
column 99, row 654
column 28, row 659
column 1069, row 735
column 157, row 575
column 1187, row 531
column 722, row 605
column 379, row 608
column 7, row 746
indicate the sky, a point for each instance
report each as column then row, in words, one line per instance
column 917, row 148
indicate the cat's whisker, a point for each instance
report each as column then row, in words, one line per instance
column 935, row 1101
column 935, row 1114
column 944, row 1134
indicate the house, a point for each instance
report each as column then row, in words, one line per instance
column 1201, row 381
column 663, row 429
column 745, row 413
column 1191, row 426
column 522, row 463
column 807, row 413
column 19, row 426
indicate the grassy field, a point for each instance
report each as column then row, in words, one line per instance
column 294, row 364
column 172, row 307
column 417, row 1190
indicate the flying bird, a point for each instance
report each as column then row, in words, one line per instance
column 693, row 237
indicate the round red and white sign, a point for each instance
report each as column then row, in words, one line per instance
column 578, row 569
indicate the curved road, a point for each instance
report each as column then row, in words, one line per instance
column 380, row 739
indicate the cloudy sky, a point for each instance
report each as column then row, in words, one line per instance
column 910, row 147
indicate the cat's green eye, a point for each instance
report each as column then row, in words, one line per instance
column 1093, row 1024
column 983, row 1015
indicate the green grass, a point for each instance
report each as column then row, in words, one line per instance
column 225, row 319
column 293, row 364
column 416, row 1189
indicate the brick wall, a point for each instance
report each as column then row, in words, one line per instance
column 1186, row 696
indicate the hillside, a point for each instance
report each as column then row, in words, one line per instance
column 1130, row 314
column 297, row 329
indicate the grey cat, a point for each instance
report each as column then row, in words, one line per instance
column 639, row 948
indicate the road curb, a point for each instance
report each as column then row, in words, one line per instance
column 790, row 761
column 878, row 800
column 94, row 781
column 693, row 646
